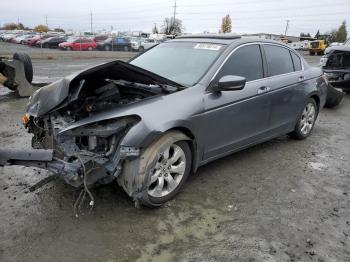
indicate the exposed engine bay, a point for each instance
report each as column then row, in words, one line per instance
column 336, row 65
column 92, row 148
column 338, row 60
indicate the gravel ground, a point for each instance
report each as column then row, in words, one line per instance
column 283, row 200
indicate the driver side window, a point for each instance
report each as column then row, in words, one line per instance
column 246, row 61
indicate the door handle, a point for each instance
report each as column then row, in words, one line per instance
column 301, row 78
column 263, row 89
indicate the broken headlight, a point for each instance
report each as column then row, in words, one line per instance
column 102, row 137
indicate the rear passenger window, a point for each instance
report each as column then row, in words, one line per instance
column 296, row 62
column 246, row 62
column 279, row 60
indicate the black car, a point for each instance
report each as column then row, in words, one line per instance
column 51, row 42
column 115, row 44
column 336, row 65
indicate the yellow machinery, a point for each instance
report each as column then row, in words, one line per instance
column 317, row 47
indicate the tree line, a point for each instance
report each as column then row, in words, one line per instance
column 38, row 28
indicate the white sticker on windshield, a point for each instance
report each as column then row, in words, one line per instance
column 208, row 47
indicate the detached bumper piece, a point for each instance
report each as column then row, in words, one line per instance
column 38, row 158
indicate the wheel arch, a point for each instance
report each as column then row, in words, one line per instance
column 191, row 142
column 317, row 100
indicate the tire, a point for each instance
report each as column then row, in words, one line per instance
column 312, row 53
column 107, row 48
column 90, row 48
column 305, row 123
column 152, row 173
column 141, row 49
column 45, row 46
column 334, row 97
column 28, row 66
column 126, row 49
column 68, row 48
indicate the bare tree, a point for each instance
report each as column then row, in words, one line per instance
column 171, row 27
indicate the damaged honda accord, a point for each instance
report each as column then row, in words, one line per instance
column 152, row 121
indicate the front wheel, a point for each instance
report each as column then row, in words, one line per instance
column 306, row 120
column 160, row 172
column 170, row 173
column 90, row 48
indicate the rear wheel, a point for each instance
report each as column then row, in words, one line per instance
column 107, row 48
column 126, row 48
column 141, row 49
column 306, row 120
column 90, row 48
column 312, row 53
column 27, row 63
column 69, row 48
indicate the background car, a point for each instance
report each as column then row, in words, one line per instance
column 113, row 44
column 100, row 38
column 78, row 44
column 141, row 44
column 51, row 42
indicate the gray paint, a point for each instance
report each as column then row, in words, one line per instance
column 219, row 123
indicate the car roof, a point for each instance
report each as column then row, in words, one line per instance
column 208, row 38
column 222, row 39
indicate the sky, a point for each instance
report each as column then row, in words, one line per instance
column 248, row 16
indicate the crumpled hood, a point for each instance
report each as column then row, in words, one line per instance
column 48, row 97
column 51, row 96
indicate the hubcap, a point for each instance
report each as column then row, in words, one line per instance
column 168, row 172
column 307, row 119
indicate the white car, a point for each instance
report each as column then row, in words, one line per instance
column 141, row 44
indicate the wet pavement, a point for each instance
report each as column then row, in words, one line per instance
column 283, row 200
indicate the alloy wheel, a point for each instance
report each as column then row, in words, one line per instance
column 308, row 118
column 168, row 172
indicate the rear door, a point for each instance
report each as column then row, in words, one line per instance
column 236, row 119
column 286, row 81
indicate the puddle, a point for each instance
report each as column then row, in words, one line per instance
column 184, row 227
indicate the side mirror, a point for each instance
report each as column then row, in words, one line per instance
column 230, row 83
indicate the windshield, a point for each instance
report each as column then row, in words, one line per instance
column 183, row 63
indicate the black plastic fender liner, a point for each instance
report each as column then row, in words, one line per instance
column 22, row 156
column 334, row 96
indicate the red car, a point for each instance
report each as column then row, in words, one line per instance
column 32, row 41
column 78, row 44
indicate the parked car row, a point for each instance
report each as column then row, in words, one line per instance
column 63, row 42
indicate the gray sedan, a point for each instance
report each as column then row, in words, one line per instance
column 152, row 121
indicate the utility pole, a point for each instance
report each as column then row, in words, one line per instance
column 91, row 21
column 174, row 17
column 287, row 26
